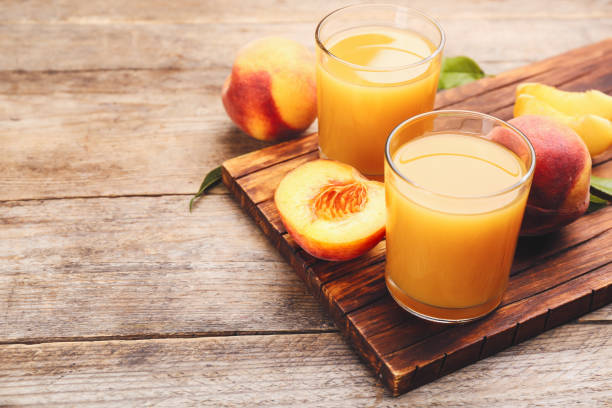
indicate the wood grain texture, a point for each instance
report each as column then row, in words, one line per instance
column 142, row 266
column 148, row 79
column 116, row 98
column 314, row 370
column 270, row 11
column 554, row 278
column 147, row 35
column 112, row 133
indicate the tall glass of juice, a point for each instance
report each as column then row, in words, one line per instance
column 456, row 187
column 376, row 66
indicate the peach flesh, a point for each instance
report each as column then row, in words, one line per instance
column 331, row 210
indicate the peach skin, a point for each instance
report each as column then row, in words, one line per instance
column 596, row 131
column 560, row 189
column 271, row 93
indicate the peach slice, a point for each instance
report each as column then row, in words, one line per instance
column 595, row 131
column 331, row 210
column 591, row 102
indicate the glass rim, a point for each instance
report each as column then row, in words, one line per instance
column 421, row 14
column 461, row 113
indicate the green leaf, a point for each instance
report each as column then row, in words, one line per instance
column 596, row 203
column 601, row 187
column 458, row 71
column 212, row 178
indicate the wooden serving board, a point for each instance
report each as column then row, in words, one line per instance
column 554, row 278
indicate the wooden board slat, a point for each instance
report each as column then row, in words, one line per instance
column 554, row 279
column 136, row 267
column 305, row 370
column 112, row 133
column 86, row 44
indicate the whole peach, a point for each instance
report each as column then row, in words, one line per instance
column 271, row 92
column 560, row 188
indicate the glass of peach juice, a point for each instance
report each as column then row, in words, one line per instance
column 456, row 186
column 377, row 64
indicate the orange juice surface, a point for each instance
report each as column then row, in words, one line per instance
column 452, row 231
column 369, row 89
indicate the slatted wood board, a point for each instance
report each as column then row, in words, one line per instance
column 554, row 278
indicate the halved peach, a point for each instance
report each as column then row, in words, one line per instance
column 331, row 210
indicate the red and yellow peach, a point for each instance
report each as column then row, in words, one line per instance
column 271, row 92
column 560, row 188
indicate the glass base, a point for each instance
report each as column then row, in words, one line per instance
column 440, row 314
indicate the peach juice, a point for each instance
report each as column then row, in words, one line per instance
column 370, row 78
column 455, row 201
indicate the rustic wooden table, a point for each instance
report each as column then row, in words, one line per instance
column 112, row 293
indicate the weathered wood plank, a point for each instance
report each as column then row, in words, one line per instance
column 571, row 361
column 533, row 250
column 604, row 169
column 260, row 159
column 101, row 38
column 603, row 315
column 142, row 266
column 260, row 186
column 272, row 11
column 113, row 133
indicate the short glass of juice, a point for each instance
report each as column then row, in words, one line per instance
column 456, row 186
column 377, row 64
